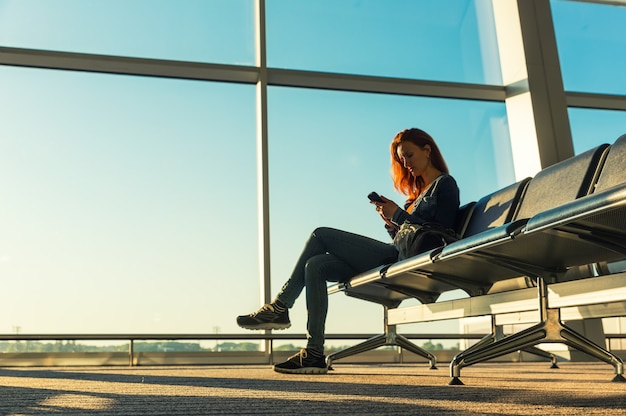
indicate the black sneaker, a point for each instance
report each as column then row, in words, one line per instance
column 265, row 318
column 303, row 363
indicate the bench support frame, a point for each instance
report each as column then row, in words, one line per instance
column 549, row 329
column 389, row 338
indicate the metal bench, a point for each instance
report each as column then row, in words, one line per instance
column 534, row 233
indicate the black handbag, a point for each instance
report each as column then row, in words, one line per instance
column 413, row 239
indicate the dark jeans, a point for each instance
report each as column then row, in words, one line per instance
column 330, row 255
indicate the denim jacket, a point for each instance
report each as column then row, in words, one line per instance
column 439, row 204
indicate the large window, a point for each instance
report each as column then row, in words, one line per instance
column 218, row 31
column 593, row 127
column 443, row 41
column 325, row 159
column 591, row 39
column 128, row 203
column 129, row 192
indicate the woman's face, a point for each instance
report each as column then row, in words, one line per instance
column 413, row 157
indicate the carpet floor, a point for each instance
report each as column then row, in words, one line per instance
column 392, row 389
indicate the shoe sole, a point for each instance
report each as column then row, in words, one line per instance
column 304, row 370
column 266, row 326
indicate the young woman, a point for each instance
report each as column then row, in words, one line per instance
column 336, row 256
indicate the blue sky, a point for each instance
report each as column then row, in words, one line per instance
column 129, row 203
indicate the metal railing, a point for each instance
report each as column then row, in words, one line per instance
column 271, row 337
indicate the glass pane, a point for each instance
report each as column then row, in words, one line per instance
column 591, row 39
column 328, row 150
column 591, row 128
column 124, row 202
column 445, row 41
column 218, row 31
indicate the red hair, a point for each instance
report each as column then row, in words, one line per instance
column 403, row 181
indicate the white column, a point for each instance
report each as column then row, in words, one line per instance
column 522, row 132
column 536, row 105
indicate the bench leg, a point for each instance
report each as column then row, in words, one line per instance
column 389, row 338
column 544, row 354
column 409, row 346
column 370, row 344
column 497, row 334
column 581, row 343
column 551, row 329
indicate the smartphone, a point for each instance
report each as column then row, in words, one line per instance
column 374, row 197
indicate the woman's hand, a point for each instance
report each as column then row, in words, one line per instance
column 386, row 209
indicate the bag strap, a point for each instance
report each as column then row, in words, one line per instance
column 432, row 188
column 429, row 191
